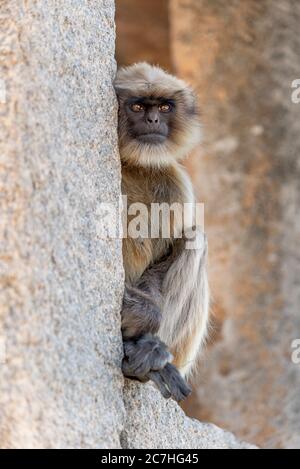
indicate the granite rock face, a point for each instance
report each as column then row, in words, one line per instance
column 61, row 285
column 61, row 282
column 155, row 423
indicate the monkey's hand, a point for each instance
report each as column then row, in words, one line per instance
column 147, row 358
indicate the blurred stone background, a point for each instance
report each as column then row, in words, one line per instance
column 242, row 58
column 61, row 280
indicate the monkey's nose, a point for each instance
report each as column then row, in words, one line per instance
column 152, row 117
column 154, row 120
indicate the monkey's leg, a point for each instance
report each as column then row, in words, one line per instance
column 141, row 318
column 141, row 313
column 142, row 302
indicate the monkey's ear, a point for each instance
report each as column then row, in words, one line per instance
column 119, row 86
column 122, row 93
column 187, row 97
column 119, row 89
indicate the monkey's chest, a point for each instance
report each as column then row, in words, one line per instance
column 148, row 236
column 152, row 218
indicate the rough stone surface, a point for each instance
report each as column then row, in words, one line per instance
column 153, row 422
column 61, row 284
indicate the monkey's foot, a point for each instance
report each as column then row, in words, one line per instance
column 147, row 353
column 170, row 383
column 147, row 358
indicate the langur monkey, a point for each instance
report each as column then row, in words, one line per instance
column 166, row 299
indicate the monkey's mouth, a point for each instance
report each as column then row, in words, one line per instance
column 152, row 138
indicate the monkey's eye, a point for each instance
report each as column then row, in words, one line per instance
column 137, row 107
column 166, row 107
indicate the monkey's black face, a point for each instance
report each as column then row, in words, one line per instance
column 149, row 118
column 158, row 116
